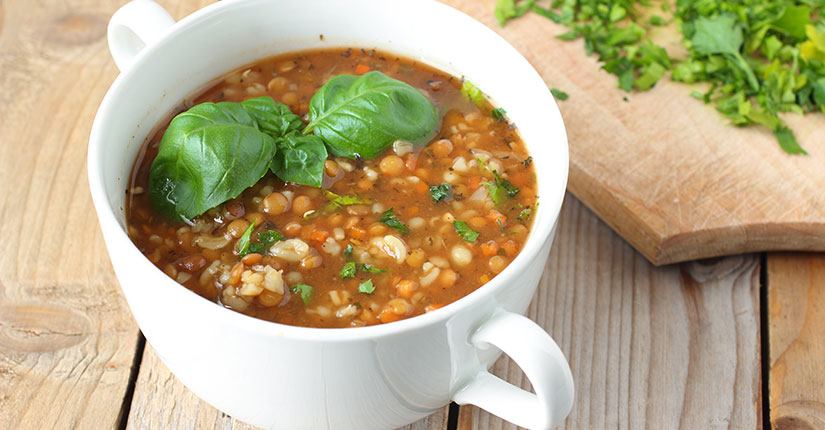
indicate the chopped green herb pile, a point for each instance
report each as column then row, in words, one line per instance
column 759, row 57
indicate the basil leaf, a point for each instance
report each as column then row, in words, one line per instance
column 464, row 231
column 391, row 220
column 348, row 271
column 441, row 192
column 208, row 155
column 273, row 118
column 366, row 287
column 305, row 291
column 300, row 159
column 243, row 242
column 360, row 116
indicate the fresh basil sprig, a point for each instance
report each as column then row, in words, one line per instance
column 360, row 116
column 208, row 155
column 214, row 151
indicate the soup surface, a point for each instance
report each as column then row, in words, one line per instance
column 383, row 239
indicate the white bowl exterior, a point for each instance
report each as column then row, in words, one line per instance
column 280, row 376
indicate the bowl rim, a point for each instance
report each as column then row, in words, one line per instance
column 115, row 235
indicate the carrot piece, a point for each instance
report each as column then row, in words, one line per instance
column 361, row 69
column 357, row 233
column 510, row 248
column 421, row 187
column 319, row 235
column 489, row 249
column 497, row 218
column 473, row 182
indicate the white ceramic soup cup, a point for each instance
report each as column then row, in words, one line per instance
column 286, row 377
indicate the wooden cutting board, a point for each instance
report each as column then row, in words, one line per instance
column 665, row 170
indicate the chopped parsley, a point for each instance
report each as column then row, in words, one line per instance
column 348, row 250
column 760, row 58
column 473, row 93
column 389, row 218
column 499, row 188
column 441, row 192
column 499, row 114
column 464, row 231
column 243, row 242
column 500, row 225
column 266, row 239
column 348, row 271
column 304, row 290
column 525, row 214
column 370, row 269
column 366, row 287
column 558, row 94
column 337, row 202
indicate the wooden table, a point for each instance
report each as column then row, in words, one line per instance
column 735, row 342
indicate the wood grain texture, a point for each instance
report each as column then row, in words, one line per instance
column 161, row 401
column 66, row 336
column 669, row 347
column 665, row 171
column 796, row 315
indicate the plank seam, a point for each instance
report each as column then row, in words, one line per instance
column 764, row 341
column 126, row 406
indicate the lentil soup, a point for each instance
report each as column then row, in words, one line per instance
column 406, row 232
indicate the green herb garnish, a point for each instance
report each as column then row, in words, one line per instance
column 389, row 218
column 370, row 269
column 499, row 114
column 558, row 94
column 266, row 238
column 473, row 93
column 348, row 250
column 500, row 225
column 351, row 199
column 500, row 188
column 366, row 287
column 214, row 151
column 348, row 271
column 243, row 242
column 304, row 290
column 464, row 231
column 441, row 192
column 525, row 214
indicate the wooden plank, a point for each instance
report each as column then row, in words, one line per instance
column 666, row 171
column 668, row 347
column 161, row 401
column 67, row 339
column 796, row 315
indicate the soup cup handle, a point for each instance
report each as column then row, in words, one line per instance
column 540, row 359
column 135, row 26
